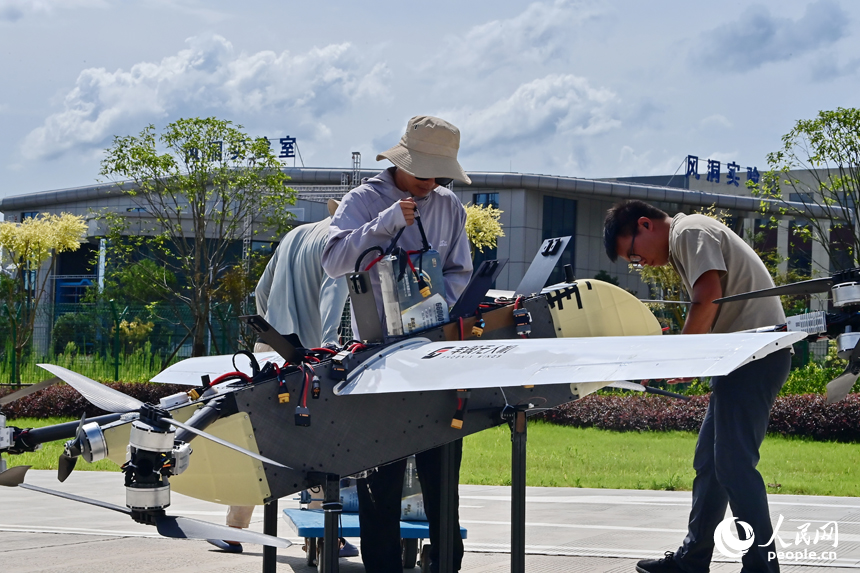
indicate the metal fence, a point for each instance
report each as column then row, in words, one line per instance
column 114, row 341
column 110, row 341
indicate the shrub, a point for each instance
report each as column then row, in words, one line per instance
column 63, row 400
column 799, row 415
column 81, row 328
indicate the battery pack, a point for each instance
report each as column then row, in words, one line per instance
column 411, row 305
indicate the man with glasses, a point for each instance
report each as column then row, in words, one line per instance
column 371, row 215
column 714, row 262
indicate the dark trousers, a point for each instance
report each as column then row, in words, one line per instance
column 727, row 453
column 429, row 466
column 379, row 498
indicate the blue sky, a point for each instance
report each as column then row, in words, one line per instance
column 582, row 88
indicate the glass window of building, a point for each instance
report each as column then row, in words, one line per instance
column 559, row 220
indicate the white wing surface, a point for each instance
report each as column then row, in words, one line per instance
column 189, row 371
column 419, row 365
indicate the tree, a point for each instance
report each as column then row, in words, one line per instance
column 483, row 227
column 26, row 247
column 235, row 288
column 819, row 167
column 200, row 187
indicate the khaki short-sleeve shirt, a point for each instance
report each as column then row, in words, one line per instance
column 698, row 244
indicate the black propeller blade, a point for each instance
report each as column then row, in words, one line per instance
column 28, row 390
column 13, row 476
column 112, row 400
column 167, row 525
column 98, row 395
column 186, row 528
column 225, row 443
column 69, row 457
column 812, row 286
column 78, row 498
column 626, row 385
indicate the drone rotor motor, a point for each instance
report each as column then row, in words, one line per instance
column 846, row 294
column 93, row 444
column 150, row 462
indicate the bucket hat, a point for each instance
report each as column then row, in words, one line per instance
column 333, row 204
column 428, row 149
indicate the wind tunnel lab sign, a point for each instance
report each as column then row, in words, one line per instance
column 287, row 149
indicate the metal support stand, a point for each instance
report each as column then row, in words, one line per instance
column 518, row 423
column 448, row 511
column 331, row 540
column 270, row 527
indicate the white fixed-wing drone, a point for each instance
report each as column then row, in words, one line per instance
column 303, row 417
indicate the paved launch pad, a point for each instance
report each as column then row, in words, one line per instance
column 568, row 529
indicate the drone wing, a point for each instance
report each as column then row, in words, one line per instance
column 189, row 371
column 418, row 365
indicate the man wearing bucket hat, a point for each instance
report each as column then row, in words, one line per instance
column 296, row 296
column 425, row 160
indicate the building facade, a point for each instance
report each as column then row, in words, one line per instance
column 534, row 207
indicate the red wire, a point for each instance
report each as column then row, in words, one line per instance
column 228, row 375
column 329, row 350
column 373, row 262
column 305, row 388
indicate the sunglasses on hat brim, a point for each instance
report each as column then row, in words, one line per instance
column 442, row 181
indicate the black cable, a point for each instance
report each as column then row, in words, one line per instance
column 424, row 240
column 255, row 366
column 364, row 254
column 394, row 241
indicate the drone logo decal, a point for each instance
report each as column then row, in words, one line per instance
column 480, row 351
column 437, row 352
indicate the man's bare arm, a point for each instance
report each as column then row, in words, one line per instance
column 703, row 311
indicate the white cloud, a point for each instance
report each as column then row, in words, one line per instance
column 545, row 107
column 208, row 77
column 631, row 163
column 716, row 120
column 758, row 37
column 14, row 10
column 538, row 34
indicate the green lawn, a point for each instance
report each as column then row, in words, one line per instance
column 46, row 458
column 587, row 457
column 573, row 457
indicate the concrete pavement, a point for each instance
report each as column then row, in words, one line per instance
column 568, row 529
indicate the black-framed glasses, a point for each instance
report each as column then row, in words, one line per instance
column 443, row 181
column 634, row 259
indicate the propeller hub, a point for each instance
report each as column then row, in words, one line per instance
column 845, row 343
column 145, row 436
column 845, row 294
column 147, row 499
column 93, row 444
